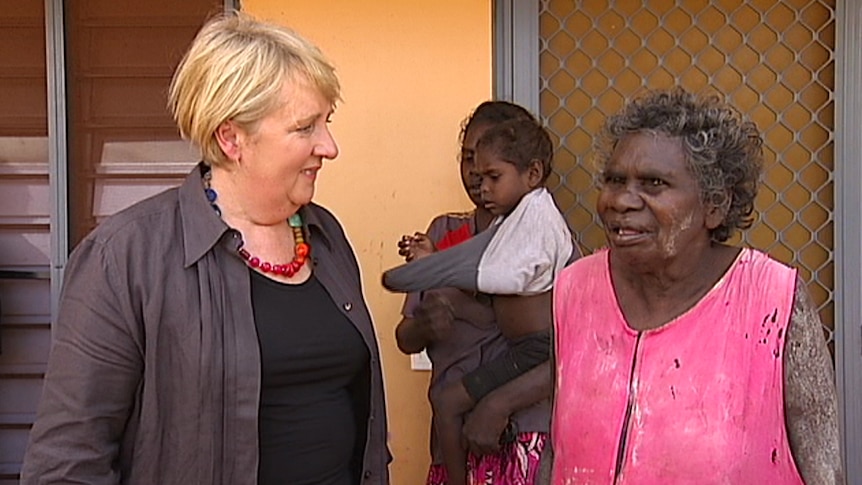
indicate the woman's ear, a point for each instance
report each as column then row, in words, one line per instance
column 228, row 136
column 535, row 173
column 717, row 212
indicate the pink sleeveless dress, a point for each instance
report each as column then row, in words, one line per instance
column 696, row 401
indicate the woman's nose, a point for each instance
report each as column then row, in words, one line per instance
column 326, row 147
column 624, row 198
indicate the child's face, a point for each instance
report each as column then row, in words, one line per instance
column 503, row 184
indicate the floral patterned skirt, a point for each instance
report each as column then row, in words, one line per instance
column 517, row 463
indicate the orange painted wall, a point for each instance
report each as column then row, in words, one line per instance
column 410, row 71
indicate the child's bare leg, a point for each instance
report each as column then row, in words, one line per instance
column 449, row 409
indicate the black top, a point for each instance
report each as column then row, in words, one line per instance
column 313, row 360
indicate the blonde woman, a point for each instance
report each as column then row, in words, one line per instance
column 217, row 333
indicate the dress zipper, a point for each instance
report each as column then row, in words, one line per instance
column 621, row 451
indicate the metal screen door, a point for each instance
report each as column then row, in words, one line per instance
column 772, row 60
column 573, row 62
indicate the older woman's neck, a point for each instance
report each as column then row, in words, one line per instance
column 652, row 294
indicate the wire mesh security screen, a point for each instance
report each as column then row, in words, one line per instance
column 773, row 60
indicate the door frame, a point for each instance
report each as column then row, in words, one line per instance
column 55, row 53
column 516, row 78
column 516, row 52
column 848, row 227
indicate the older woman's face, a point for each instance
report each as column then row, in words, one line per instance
column 279, row 161
column 650, row 201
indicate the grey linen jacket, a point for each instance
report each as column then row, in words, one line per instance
column 154, row 373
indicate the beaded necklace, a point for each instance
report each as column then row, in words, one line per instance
column 301, row 249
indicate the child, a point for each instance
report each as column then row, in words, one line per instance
column 515, row 260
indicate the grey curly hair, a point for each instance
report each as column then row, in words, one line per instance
column 723, row 151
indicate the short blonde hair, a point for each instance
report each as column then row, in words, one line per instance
column 234, row 70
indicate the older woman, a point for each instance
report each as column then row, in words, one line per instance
column 681, row 359
column 217, row 333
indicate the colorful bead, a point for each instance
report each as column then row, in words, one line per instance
column 301, row 250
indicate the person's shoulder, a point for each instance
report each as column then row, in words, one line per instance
column 462, row 216
column 758, row 264
column 589, row 262
column 752, row 254
column 324, row 227
column 324, row 219
column 142, row 220
column 599, row 256
column 133, row 238
column 456, row 227
column 321, row 215
column 452, row 219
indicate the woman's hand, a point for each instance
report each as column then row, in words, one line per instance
column 431, row 322
column 416, row 246
column 484, row 425
column 434, row 317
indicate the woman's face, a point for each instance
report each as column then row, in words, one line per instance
column 279, row 160
column 469, row 175
column 650, row 202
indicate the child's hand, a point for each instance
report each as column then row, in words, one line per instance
column 416, row 246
